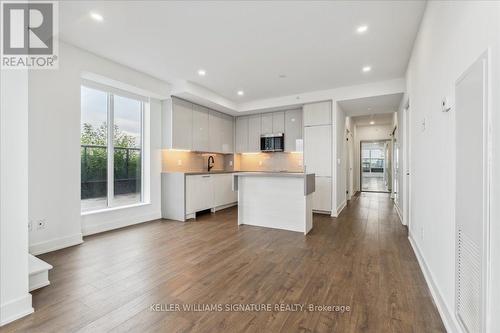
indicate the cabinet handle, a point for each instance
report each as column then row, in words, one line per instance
column 206, row 176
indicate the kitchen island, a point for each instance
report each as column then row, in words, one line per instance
column 275, row 200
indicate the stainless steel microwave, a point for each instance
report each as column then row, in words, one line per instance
column 272, row 142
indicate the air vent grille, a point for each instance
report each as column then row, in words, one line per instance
column 468, row 283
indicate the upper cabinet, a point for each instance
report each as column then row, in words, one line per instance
column 293, row 130
column 241, row 134
column 220, row 129
column 190, row 126
column 177, row 124
column 316, row 114
column 200, row 128
column 254, row 132
column 278, row 122
column 266, row 123
column 250, row 128
column 272, row 123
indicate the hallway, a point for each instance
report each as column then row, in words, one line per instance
column 362, row 260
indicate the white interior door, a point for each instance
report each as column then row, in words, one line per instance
column 471, row 197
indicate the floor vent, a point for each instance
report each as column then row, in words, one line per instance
column 468, row 283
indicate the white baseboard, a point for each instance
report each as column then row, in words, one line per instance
column 447, row 315
column 339, row 209
column 216, row 209
column 398, row 210
column 15, row 309
column 118, row 223
column 55, row 244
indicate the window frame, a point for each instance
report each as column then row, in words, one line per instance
column 110, row 145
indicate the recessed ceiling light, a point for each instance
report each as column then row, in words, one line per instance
column 372, row 122
column 366, row 69
column 96, row 16
column 240, row 93
column 202, row 72
column 362, row 29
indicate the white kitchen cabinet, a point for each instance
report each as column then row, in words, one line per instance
column 322, row 197
column 254, row 132
column 223, row 190
column 200, row 128
column 266, row 122
column 227, row 134
column 199, row 193
column 177, row 124
column 293, row 130
column 241, row 134
column 215, row 126
column 318, row 114
column 278, row 122
column 318, row 150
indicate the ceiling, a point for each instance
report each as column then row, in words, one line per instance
column 248, row 45
column 371, row 105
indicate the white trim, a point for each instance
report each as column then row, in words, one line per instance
column 339, row 209
column 398, row 210
column 55, row 244
column 111, row 209
column 119, row 223
column 15, row 309
column 447, row 316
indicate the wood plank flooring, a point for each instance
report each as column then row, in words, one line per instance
column 362, row 260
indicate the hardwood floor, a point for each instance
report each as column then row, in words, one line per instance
column 362, row 260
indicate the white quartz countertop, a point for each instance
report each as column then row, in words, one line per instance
column 272, row 174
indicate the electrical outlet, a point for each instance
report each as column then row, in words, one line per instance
column 179, row 162
column 260, row 163
column 41, row 224
column 300, row 163
column 230, row 163
column 30, row 226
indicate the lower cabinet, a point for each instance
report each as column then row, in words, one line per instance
column 209, row 191
column 322, row 197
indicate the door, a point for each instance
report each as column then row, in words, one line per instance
column 293, row 130
column 254, row 133
column 200, row 128
column 318, row 151
column 278, row 122
column 182, row 124
column 266, row 122
column 199, row 193
column 223, row 190
column 471, row 197
column 242, row 134
column 322, row 196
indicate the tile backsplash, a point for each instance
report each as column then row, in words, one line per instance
column 186, row 161
column 270, row 162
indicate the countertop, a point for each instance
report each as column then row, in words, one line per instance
column 240, row 172
column 272, row 174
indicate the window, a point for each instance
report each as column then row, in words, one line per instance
column 111, row 149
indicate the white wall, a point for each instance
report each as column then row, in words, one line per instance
column 452, row 36
column 15, row 300
column 366, row 133
column 340, row 184
column 54, row 148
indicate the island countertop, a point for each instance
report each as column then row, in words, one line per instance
column 309, row 178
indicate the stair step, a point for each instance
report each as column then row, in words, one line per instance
column 39, row 273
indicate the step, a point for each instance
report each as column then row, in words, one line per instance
column 39, row 273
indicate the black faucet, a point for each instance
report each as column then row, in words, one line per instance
column 210, row 166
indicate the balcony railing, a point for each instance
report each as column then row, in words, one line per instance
column 127, row 171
